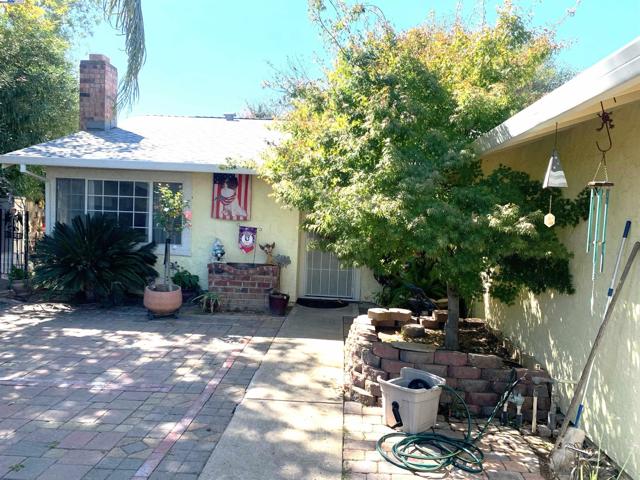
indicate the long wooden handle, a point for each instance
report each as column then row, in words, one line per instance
column 592, row 355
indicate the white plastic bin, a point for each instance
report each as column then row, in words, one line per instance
column 418, row 408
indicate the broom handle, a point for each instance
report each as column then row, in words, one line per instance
column 590, row 220
column 596, row 344
column 625, row 235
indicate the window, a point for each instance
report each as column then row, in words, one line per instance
column 131, row 203
column 69, row 199
column 158, row 234
column 124, row 201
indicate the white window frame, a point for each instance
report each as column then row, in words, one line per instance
column 53, row 174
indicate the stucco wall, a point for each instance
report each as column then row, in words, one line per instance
column 275, row 224
column 559, row 329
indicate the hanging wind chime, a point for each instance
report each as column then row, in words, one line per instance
column 599, row 190
column 553, row 178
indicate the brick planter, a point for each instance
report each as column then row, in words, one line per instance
column 243, row 286
column 480, row 379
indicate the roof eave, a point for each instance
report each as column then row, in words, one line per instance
column 119, row 164
column 616, row 74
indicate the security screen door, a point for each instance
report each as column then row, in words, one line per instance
column 326, row 278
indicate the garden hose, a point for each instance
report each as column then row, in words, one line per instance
column 430, row 451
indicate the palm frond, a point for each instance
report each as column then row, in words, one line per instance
column 129, row 21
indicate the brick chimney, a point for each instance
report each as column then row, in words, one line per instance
column 98, row 93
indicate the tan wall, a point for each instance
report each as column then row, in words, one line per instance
column 559, row 329
column 275, row 224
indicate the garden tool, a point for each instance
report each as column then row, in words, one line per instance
column 625, row 235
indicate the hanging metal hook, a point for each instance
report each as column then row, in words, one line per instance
column 607, row 122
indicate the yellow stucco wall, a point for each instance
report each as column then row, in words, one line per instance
column 559, row 329
column 275, row 224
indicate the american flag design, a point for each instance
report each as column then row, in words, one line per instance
column 231, row 196
column 555, row 175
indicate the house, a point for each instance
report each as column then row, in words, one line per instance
column 558, row 330
column 115, row 169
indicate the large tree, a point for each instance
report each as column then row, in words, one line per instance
column 379, row 156
column 38, row 85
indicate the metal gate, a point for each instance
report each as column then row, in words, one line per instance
column 325, row 277
column 14, row 240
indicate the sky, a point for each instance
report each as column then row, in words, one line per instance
column 209, row 57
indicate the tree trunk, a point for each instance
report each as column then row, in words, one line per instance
column 451, row 327
column 167, row 263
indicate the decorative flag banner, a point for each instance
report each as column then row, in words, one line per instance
column 231, row 196
column 247, row 238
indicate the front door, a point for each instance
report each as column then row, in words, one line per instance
column 325, row 277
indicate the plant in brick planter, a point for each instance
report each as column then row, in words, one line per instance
column 278, row 300
column 173, row 216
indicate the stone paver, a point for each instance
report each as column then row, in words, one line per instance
column 100, row 394
column 508, row 454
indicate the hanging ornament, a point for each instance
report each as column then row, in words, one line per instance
column 549, row 218
column 553, row 178
column 599, row 191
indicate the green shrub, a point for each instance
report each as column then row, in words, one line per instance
column 94, row 256
column 185, row 279
column 18, row 273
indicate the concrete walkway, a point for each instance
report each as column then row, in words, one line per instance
column 289, row 425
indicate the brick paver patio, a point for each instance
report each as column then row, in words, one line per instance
column 508, row 455
column 105, row 394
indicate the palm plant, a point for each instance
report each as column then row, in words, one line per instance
column 93, row 255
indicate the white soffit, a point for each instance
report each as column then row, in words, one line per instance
column 578, row 100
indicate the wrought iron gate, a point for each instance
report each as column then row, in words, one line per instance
column 14, row 240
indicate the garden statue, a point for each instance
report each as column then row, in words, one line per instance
column 218, row 250
column 268, row 248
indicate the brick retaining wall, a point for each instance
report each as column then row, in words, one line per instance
column 480, row 379
column 243, row 289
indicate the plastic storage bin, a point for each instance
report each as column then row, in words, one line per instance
column 418, row 408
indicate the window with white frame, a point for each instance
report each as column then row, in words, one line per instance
column 69, row 199
column 131, row 203
column 126, row 202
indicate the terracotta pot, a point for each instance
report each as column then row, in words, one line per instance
column 162, row 302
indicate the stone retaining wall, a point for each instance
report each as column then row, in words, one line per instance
column 480, row 379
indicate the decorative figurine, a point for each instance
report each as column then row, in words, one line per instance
column 218, row 250
column 267, row 248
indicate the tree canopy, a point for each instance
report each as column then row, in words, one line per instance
column 379, row 154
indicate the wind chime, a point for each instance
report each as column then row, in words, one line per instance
column 553, row 178
column 599, row 190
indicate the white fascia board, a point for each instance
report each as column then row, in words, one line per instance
column 118, row 164
column 589, row 87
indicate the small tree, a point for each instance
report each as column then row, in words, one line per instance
column 172, row 217
column 379, row 155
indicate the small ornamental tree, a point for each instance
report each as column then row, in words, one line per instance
column 379, row 156
column 172, row 216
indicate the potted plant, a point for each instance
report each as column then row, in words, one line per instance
column 187, row 281
column 19, row 281
column 173, row 216
column 209, row 301
column 278, row 301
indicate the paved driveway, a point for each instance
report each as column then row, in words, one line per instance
column 99, row 394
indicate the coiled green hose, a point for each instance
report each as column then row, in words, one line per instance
column 430, row 451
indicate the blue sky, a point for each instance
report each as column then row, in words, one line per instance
column 208, row 57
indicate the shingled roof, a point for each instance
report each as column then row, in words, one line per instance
column 169, row 143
